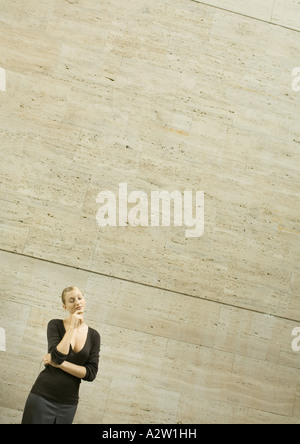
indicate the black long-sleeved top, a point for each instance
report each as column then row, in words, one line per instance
column 56, row 385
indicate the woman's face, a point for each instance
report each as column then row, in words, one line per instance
column 74, row 301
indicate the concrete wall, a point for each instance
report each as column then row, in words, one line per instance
column 161, row 95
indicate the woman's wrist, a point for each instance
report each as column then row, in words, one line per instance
column 71, row 327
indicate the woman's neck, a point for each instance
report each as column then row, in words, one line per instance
column 67, row 321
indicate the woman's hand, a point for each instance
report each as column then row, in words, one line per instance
column 47, row 359
column 75, row 370
column 76, row 318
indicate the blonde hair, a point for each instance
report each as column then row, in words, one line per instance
column 67, row 290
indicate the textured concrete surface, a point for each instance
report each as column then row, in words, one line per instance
column 171, row 95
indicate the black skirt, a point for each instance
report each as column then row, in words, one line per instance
column 39, row 410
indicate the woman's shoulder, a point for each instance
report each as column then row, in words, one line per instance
column 55, row 323
column 94, row 333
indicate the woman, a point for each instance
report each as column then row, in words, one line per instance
column 73, row 355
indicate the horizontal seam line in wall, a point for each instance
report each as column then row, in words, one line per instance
column 247, row 16
column 149, row 285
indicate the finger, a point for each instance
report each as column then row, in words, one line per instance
column 46, row 358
